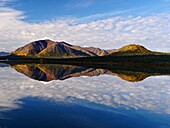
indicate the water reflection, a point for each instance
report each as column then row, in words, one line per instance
column 36, row 113
column 48, row 72
column 120, row 101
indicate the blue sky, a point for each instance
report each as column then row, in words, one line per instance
column 107, row 24
column 39, row 10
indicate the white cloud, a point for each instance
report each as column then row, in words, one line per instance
column 150, row 31
column 104, row 15
column 78, row 4
column 5, row 2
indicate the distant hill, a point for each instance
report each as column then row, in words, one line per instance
column 4, row 53
column 48, row 48
column 134, row 49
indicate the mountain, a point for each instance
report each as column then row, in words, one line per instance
column 48, row 48
column 4, row 53
column 132, row 49
column 51, row 49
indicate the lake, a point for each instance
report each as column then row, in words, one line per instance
column 59, row 96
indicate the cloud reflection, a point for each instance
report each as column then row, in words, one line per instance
column 152, row 94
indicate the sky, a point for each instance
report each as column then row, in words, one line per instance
column 105, row 24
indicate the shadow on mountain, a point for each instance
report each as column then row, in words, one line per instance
column 48, row 72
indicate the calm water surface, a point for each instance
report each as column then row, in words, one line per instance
column 103, row 101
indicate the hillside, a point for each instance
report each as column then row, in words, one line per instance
column 134, row 49
column 52, row 49
column 48, row 48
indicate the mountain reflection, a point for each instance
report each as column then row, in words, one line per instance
column 48, row 72
column 150, row 95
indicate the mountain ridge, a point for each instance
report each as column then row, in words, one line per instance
column 48, row 48
column 51, row 49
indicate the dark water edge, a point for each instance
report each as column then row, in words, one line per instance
column 95, row 61
column 39, row 113
column 131, row 66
